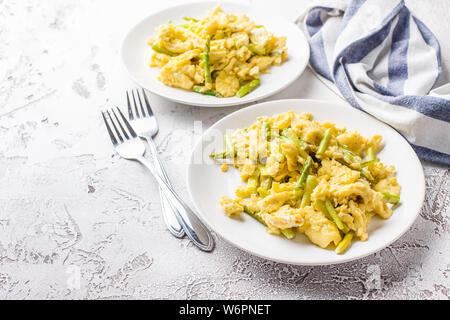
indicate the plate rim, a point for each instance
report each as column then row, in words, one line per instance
column 407, row 227
column 202, row 104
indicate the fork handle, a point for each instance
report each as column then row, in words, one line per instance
column 168, row 212
column 192, row 225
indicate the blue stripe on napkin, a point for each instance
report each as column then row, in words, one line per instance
column 385, row 61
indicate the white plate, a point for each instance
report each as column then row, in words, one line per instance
column 207, row 183
column 136, row 54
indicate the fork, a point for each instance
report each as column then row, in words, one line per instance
column 145, row 125
column 129, row 146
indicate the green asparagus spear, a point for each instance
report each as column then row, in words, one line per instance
column 247, row 88
column 305, row 172
column 287, row 233
column 252, row 183
column 220, row 155
column 334, row 216
column 189, row 27
column 206, row 61
column 349, row 156
column 289, row 135
column 263, row 192
column 254, row 215
column 370, row 154
column 324, row 143
column 366, row 174
column 256, row 50
column 163, row 51
column 190, row 19
column 276, row 52
column 199, row 89
column 367, row 162
column 344, row 244
column 320, row 205
column 298, row 192
column 290, row 141
column 389, row 197
column 262, row 170
column 229, row 152
column 266, row 182
column 370, row 158
column 265, row 130
column 311, row 183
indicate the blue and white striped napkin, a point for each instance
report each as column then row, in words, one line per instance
column 385, row 61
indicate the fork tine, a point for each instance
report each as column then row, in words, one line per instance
column 114, row 125
column 108, row 128
column 140, row 102
column 147, row 104
column 120, row 125
column 130, row 110
column 135, row 105
column 127, row 124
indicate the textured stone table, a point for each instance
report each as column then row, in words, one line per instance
column 77, row 222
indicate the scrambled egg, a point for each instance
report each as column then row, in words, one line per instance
column 310, row 178
column 238, row 52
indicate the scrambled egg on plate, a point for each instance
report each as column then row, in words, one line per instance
column 222, row 55
column 311, row 178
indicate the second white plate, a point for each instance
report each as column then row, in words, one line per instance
column 207, row 183
column 136, row 54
